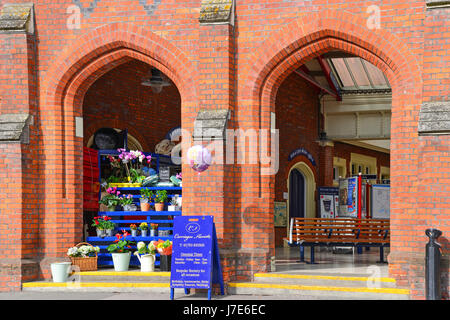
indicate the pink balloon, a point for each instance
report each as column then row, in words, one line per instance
column 199, row 158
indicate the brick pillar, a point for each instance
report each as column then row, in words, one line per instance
column 326, row 164
column 19, row 145
column 407, row 263
column 212, row 192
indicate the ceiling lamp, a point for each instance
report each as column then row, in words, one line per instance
column 155, row 81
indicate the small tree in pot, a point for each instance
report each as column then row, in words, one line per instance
column 160, row 199
column 146, row 196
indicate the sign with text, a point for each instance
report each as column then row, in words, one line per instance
column 192, row 252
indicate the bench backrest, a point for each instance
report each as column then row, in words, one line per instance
column 339, row 230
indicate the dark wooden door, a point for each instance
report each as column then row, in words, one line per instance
column 296, row 194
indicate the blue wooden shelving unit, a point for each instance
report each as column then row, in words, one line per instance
column 164, row 219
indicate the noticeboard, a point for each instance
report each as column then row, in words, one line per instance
column 380, row 203
column 195, row 258
column 328, row 201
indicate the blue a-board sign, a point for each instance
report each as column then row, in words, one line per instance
column 195, row 254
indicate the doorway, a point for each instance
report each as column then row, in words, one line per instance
column 297, row 191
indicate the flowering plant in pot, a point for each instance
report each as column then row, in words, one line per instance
column 153, row 229
column 111, row 200
column 146, row 196
column 108, row 225
column 133, row 162
column 133, row 229
column 144, row 228
column 160, row 198
column 126, row 201
column 104, row 226
column 121, row 251
column 165, row 250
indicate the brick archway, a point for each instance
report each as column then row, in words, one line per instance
column 73, row 72
column 314, row 34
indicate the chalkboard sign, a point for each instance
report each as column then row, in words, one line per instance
column 195, row 255
column 164, row 174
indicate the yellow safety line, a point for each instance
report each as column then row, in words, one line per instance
column 93, row 284
column 123, row 273
column 318, row 288
column 303, row 276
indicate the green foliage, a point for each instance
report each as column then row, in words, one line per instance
column 160, row 196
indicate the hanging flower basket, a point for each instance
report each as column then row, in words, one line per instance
column 85, row 263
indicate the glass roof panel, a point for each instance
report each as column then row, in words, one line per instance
column 358, row 72
column 342, row 72
column 376, row 75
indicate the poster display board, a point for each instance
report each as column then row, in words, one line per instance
column 195, row 255
column 348, row 197
column 280, row 214
column 380, row 201
column 328, row 201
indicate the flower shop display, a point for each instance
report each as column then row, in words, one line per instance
column 160, row 198
column 199, row 158
column 144, row 228
column 111, row 200
column 146, row 196
column 121, row 251
column 129, row 169
column 165, row 250
column 133, row 229
column 153, row 229
column 84, row 256
column 146, row 255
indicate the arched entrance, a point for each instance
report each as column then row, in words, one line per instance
column 312, row 35
column 92, row 56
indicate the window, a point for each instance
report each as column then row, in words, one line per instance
column 363, row 164
column 339, row 170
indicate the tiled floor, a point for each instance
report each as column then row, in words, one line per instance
column 339, row 263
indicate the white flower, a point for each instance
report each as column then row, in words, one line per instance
column 72, row 251
column 140, row 245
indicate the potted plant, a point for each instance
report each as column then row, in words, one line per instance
column 111, row 200
column 173, row 204
column 165, row 250
column 146, row 256
column 127, row 203
column 160, row 198
column 146, row 196
column 84, row 255
column 131, row 164
column 144, row 228
column 121, row 251
column 153, row 229
column 99, row 223
column 133, row 229
column 108, row 225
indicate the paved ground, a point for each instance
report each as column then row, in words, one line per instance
column 138, row 296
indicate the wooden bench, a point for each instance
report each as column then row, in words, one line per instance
column 341, row 232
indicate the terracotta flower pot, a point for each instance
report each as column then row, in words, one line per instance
column 159, row 206
column 145, row 206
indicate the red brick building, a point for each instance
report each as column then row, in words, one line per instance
column 72, row 67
